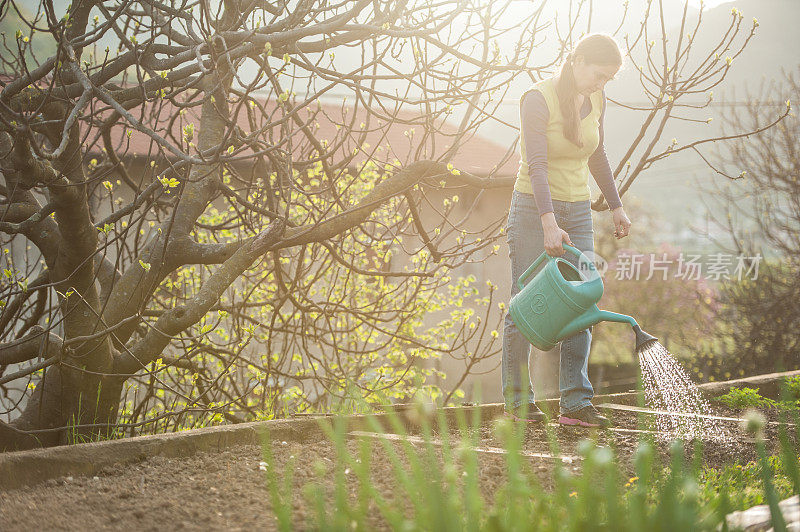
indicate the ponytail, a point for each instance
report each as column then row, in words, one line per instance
column 566, row 101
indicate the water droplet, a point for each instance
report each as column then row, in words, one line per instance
column 668, row 388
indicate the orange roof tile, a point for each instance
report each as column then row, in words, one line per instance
column 403, row 138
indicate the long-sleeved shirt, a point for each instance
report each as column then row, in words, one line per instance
column 535, row 116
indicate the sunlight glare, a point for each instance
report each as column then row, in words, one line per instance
column 707, row 4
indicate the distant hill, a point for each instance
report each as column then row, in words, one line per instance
column 776, row 44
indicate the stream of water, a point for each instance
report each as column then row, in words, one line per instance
column 668, row 388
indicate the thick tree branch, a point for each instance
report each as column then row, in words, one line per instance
column 34, row 345
column 179, row 319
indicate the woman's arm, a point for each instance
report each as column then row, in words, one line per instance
column 601, row 169
column 533, row 119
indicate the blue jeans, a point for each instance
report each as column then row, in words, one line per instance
column 525, row 243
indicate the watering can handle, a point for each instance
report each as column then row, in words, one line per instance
column 532, row 268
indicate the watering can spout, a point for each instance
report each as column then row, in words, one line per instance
column 591, row 317
column 642, row 337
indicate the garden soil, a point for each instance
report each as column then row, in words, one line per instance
column 228, row 489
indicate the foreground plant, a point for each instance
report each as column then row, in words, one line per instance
column 439, row 488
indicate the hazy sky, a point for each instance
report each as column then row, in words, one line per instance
column 707, row 4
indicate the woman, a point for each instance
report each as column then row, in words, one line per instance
column 561, row 142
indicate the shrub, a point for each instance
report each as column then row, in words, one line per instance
column 754, row 327
column 750, row 398
column 793, row 387
column 745, row 398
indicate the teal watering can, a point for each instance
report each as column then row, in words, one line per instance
column 560, row 301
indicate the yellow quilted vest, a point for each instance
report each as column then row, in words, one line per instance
column 567, row 164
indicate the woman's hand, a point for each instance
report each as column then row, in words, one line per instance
column 553, row 235
column 622, row 224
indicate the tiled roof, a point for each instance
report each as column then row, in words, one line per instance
column 401, row 139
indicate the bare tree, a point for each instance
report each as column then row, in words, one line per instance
column 200, row 245
column 759, row 220
column 762, row 206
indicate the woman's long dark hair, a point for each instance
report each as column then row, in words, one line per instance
column 597, row 49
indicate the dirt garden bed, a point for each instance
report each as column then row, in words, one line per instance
column 228, row 489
